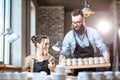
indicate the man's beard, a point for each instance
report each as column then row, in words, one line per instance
column 80, row 30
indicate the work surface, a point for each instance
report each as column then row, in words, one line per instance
column 89, row 66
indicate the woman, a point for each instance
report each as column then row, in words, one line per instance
column 41, row 60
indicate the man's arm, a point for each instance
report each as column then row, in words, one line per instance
column 101, row 45
column 66, row 48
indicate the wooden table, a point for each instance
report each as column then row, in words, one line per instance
column 88, row 66
column 10, row 68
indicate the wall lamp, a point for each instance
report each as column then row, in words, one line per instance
column 11, row 37
column 86, row 10
column 57, row 46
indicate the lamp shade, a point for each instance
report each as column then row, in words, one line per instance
column 57, row 46
column 12, row 37
column 86, row 10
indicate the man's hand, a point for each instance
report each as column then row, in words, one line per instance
column 60, row 58
column 106, row 56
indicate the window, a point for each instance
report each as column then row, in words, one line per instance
column 1, row 29
column 4, row 23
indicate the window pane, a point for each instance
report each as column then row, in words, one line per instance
column 1, row 29
column 7, row 25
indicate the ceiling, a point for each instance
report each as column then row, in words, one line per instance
column 73, row 4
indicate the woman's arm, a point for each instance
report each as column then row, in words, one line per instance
column 51, row 64
column 26, row 67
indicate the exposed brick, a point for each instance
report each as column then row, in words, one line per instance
column 51, row 23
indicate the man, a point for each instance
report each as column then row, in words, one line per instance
column 82, row 41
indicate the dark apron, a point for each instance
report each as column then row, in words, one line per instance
column 41, row 66
column 85, row 52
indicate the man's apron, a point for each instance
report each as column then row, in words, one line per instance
column 85, row 52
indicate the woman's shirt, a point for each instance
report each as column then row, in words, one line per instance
column 29, row 61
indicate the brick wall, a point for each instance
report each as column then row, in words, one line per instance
column 51, row 22
column 118, row 12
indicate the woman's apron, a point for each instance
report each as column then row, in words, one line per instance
column 41, row 66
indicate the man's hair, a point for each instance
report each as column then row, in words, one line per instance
column 77, row 12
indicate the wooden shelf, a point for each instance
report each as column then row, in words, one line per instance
column 89, row 66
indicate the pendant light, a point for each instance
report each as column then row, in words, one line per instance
column 86, row 10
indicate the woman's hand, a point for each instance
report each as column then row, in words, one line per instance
column 51, row 66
